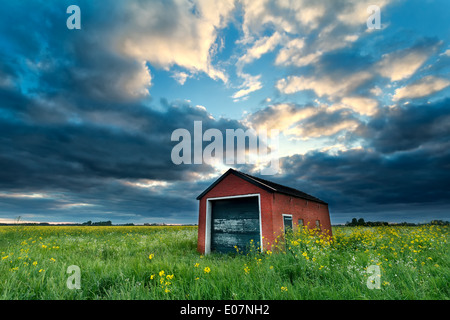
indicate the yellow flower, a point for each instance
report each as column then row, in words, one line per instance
column 35, row 263
column 151, row 256
column 41, row 270
column 207, row 270
column 284, row 289
column 52, row 260
column 161, row 273
column 152, row 276
column 196, row 265
column 169, row 276
column 247, row 270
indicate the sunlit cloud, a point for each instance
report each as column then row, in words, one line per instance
column 421, row 88
column 402, row 64
column 86, row 116
column 25, row 195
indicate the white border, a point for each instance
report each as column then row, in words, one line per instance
column 292, row 219
column 208, row 218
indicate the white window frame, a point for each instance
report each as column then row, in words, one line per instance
column 209, row 216
column 292, row 219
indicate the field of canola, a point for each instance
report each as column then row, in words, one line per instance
column 152, row 262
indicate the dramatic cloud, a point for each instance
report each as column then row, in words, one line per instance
column 64, row 160
column 281, row 116
column 259, row 48
column 326, row 85
column 86, row 116
column 409, row 127
column 304, row 122
column 404, row 63
column 167, row 33
column 365, row 182
column 405, row 163
column 421, row 88
column 293, row 54
column 251, row 84
column 362, row 105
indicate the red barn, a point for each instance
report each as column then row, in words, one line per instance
column 239, row 207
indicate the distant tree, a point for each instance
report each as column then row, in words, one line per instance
column 360, row 222
column 102, row 223
column 354, row 222
column 439, row 222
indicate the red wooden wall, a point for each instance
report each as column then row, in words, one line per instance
column 273, row 206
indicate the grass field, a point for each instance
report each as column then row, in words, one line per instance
column 162, row 263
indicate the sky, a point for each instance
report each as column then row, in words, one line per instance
column 87, row 115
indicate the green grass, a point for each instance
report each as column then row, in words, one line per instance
column 115, row 264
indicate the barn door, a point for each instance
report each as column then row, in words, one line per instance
column 235, row 222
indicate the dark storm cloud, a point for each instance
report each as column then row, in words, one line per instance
column 371, row 177
column 108, row 199
column 405, row 164
column 365, row 181
column 82, row 139
column 50, row 60
column 125, row 142
column 78, row 128
column 91, row 161
column 67, row 132
column 409, row 127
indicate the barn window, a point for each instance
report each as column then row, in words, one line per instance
column 287, row 223
column 318, row 224
column 300, row 222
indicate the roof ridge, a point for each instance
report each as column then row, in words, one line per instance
column 255, row 178
column 273, row 185
column 264, row 184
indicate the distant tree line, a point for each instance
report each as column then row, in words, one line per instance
column 360, row 222
column 87, row 223
column 100, row 223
